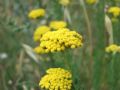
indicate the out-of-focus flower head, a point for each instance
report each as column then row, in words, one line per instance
column 91, row 1
column 115, row 11
column 64, row 2
column 40, row 31
column 56, row 79
column 112, row 48
column 57, row 24
column 117, row 0
column 58, row 40
column 36, row 13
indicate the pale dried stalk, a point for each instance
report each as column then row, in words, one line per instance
column 67, row 15
column 89, row 28
column 108, row 25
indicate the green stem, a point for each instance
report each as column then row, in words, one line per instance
column 67, row 59
column 4, row 81
column 111, row 74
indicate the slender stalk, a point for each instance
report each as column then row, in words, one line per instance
column 112, row 73
column 67, row 15
column 4, row 81
column 67, row 59
column 109, row 29
column 89, row 28
column 20, row 62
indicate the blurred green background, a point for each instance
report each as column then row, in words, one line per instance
column 21, row 69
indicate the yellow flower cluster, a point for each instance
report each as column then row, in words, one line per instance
column 91, row 1
column 56, row 79
column 40, row 31
column 113, row 48
column 57, row 24
column 115, row 11
column 59, row 40
column 64, row 2
column 36, row 13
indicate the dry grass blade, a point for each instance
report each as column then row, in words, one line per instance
column 108, row 26
column 30, row 52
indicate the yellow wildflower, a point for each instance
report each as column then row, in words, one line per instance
column 115, row 11
column 64, row 2
column 58, row 24
column 113, row 48
column 59, row 40
column 36, row 13
column 91, row 1
column 56, row 79
column 40, row 31
column 118, row 48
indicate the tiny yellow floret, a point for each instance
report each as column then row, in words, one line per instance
column 36, row 13
column 73, row 46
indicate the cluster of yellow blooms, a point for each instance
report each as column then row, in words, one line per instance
column 54, row 25
column 59, row 40
column 36, row 13
column 91, row 1
column 113, row 48
column 56, row 79
column 64, row 2
column 115, row 11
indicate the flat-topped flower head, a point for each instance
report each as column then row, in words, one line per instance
column 115, row 11
column 59, row 40
column 91, row 1
column 56, row 79
column 40, row 31
column 112, row 48
column 57, row 24
column 64, row 2
column 36, row 13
